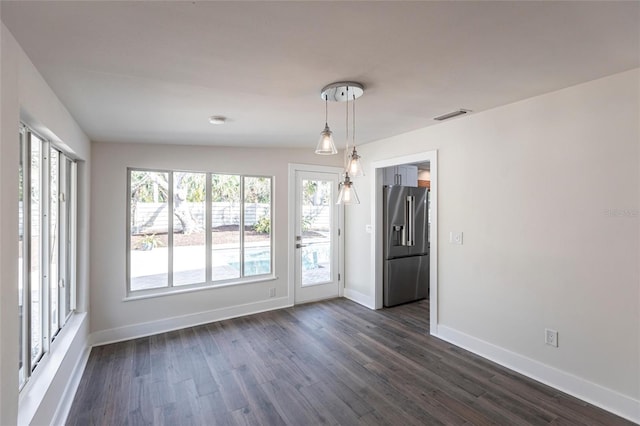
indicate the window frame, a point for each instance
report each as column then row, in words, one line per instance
column 209, row 283
column 66, row 263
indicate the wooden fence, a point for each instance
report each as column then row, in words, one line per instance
column 148, row 218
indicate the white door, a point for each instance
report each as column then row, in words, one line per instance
column 316, row 236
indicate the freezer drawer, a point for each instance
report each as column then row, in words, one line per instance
column 406, row 279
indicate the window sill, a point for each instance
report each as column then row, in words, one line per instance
column 178, row 290
column 34, row 392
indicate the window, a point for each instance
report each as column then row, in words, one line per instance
column 46, row 229
column 194, row 229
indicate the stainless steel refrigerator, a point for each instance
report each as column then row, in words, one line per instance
column 406, row 244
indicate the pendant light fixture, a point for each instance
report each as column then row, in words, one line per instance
column 353, row 163
column 326, row 146
column 345, row 91
column 347, row 193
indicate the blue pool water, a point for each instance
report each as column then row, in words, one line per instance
column 255, row 264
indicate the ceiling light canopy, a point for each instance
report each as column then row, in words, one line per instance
column 342, row 91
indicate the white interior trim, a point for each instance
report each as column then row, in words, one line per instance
column 197, row 287
column 42, row 393
column 66, row 400
column 376, row 214
column 590, row 392
column 134, row 331
column 362, row 299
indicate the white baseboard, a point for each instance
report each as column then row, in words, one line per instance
column 60, row 416
column 134, row 331
column 592, row 393
column 363, row 299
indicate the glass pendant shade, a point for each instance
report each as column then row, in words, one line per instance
column 325, row 143
column 347, row 193
column 355, row 167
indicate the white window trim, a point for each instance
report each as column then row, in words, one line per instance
column 34, row 369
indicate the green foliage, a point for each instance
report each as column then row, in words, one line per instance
column 257, row 189
column 153, row 187
column 306, row 223
column 309, row 188
column 149, row 241
column 225, row 188
column 263, row 225
column 193, row 183
column 315, row 194
column 149, row 187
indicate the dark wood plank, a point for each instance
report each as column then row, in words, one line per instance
column 214, row 410
column 140, row 402
column 142, row 357
column 292, row 408
column 331, row 362
column 328, row 405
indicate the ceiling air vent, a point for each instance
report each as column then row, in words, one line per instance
column 452, row 114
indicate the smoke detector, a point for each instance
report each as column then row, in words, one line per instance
column 217, row 119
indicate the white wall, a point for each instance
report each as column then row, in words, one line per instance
column 9, row 118
column 114, row 319
column 547, row 242
column 26, row 96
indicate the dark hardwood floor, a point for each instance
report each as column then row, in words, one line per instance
column 332, row 362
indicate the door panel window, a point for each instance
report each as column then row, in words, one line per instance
column 317, row 208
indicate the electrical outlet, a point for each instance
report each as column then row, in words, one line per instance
column 455, row 237
column 272, row 292
column 551, row 337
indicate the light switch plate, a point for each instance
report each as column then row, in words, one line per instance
column 455, row 237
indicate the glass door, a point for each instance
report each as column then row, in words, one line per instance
column 317, row 233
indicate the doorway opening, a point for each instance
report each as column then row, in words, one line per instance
column 425, row 161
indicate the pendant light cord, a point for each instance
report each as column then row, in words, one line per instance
column 353, row 134
column 346, row 149
column 326, row 110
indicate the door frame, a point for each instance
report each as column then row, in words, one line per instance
column 377, row 259
column 291, row 233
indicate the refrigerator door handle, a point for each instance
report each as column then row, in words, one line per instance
column 411, row 231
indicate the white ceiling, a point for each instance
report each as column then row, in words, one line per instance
column 155, row 71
